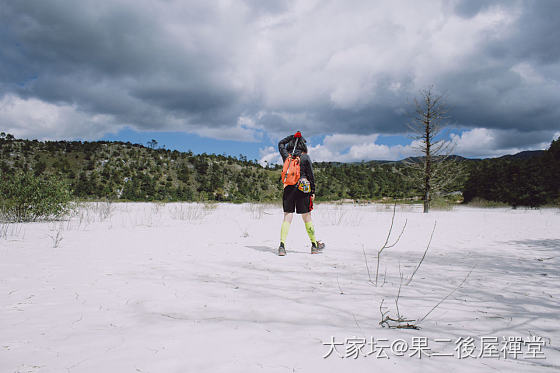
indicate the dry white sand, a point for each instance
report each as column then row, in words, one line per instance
column 188, row 288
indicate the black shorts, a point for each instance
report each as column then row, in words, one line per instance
column 295, row 199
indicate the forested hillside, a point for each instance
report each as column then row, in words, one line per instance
column 125, row 171
column 518, row 181
column 116, row 170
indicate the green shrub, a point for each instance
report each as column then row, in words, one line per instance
column 442, row 203
column 481, row 202
column 26, row 197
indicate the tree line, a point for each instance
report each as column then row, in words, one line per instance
column 532, row 182
column 133, row 172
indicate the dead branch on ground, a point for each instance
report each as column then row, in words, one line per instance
column 392, row 323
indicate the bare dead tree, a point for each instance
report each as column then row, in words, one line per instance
column 436, row 170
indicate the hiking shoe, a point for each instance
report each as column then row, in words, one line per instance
column 317, row 249
column 281, row 250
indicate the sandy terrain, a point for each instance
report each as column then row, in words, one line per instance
column 194, row 288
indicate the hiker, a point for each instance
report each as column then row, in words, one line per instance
column 299, row 189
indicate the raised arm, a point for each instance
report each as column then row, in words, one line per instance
column 282, row 146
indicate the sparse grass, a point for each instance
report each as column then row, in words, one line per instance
column 338, row 215
column 4, row 230
column 103, row 209
column 56, row 238
column 256, row 210
column 158, row 206
column 335, row 215
column 479, row 202
column 190, row 211
column 91, row 212
column 210, row 206
column 10, row 230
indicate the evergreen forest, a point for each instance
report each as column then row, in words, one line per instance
column 134, row 172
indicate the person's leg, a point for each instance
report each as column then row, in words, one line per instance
column 309, row 227
column 316, row 246
column 289, row 207
column 288, row 216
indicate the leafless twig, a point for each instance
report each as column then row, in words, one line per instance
column 447, row 296
column 356, row 321
column 339, row 288
column 386, row 245
column 423, row 256
column 399, row 292
column 367, row 266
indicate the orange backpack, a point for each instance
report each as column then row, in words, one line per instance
column 291, row 171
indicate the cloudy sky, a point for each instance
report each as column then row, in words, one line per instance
column 235, row 76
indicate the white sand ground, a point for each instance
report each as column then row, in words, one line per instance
column 188, row 288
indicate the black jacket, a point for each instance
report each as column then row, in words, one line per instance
column 286, row 146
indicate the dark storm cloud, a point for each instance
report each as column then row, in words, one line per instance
column 536, row 34
column 497, row 98
column 514, row 82
column 55, row 38
column 118, row 60
column 374, row 118
column 470, row 8
column 488, row 91
column 323, row 67
column 267, row 7
column 504, row 76
column 516, row 139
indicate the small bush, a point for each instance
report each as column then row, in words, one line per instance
column 26, row 197
column 442, row 203
column 481, row 202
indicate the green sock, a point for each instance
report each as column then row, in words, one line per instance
column 310, row 231
column 284, row 231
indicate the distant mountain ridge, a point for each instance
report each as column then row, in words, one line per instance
column 527, row 154
column 523, row 155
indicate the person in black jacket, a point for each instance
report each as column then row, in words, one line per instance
column 293, row 198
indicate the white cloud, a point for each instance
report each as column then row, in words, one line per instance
column 474, row 143
column 269, row 155
column 340, row 142
column 35, row 119
column 484, row 142
column 349, row 61
column 347, row 148
column 478, row 141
